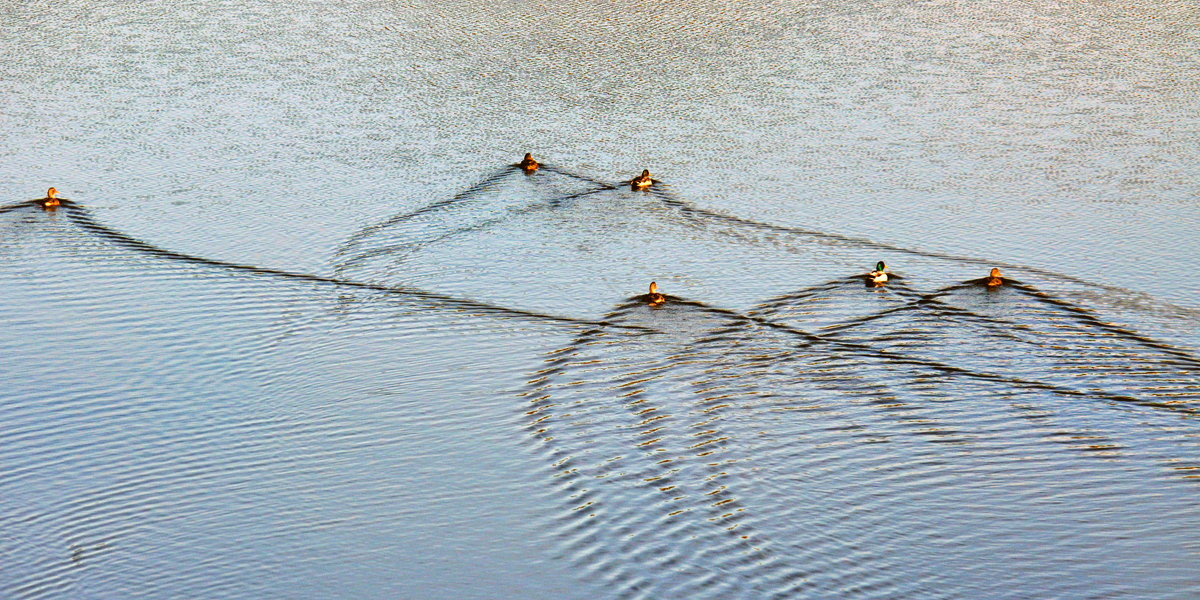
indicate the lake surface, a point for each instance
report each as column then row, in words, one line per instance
column 303, row 330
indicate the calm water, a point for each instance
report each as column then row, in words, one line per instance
column 303, row 331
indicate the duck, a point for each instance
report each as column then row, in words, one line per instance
column 993, row 279
column 878, row 276
column 656, row 299
column 51, row 199
column 528, row 164
column 642, row 181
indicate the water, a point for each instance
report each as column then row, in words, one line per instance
column 303, row 331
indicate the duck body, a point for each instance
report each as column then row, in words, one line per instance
column 655, row 298
column 51, row 199
column 527, row 164
column 994, row 279
column 878, row 276
column 642, row 181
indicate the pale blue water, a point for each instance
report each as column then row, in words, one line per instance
column 304, row 332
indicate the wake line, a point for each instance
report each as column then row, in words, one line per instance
column 81, row 217
column 735, row 543
column 813, row 339
column 355, row 239
column 17, row 205
column 492, row 179
column 689, row 209
column 417, row 245
column 920, row 300
column 696, row 214
column 566, row 173
column 561, row 422
column 343, row 261
column 916, row 300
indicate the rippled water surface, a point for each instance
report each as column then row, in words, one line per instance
column 303, row 330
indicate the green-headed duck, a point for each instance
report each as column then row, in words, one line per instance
column 878, row 276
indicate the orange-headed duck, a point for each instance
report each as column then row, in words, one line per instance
column 656, row 299
column 51, row 199
column 993, row 279
column 528, row 164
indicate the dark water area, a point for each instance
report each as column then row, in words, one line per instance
column 303, row 329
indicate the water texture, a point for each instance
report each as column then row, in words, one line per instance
column 302, row 329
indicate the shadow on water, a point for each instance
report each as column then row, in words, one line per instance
column 707, row 452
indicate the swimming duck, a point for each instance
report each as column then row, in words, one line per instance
column 993, row 279
column 51, row 199
column 878, row 276
column 656, row 299
column 642, row 181
column 528, row 164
